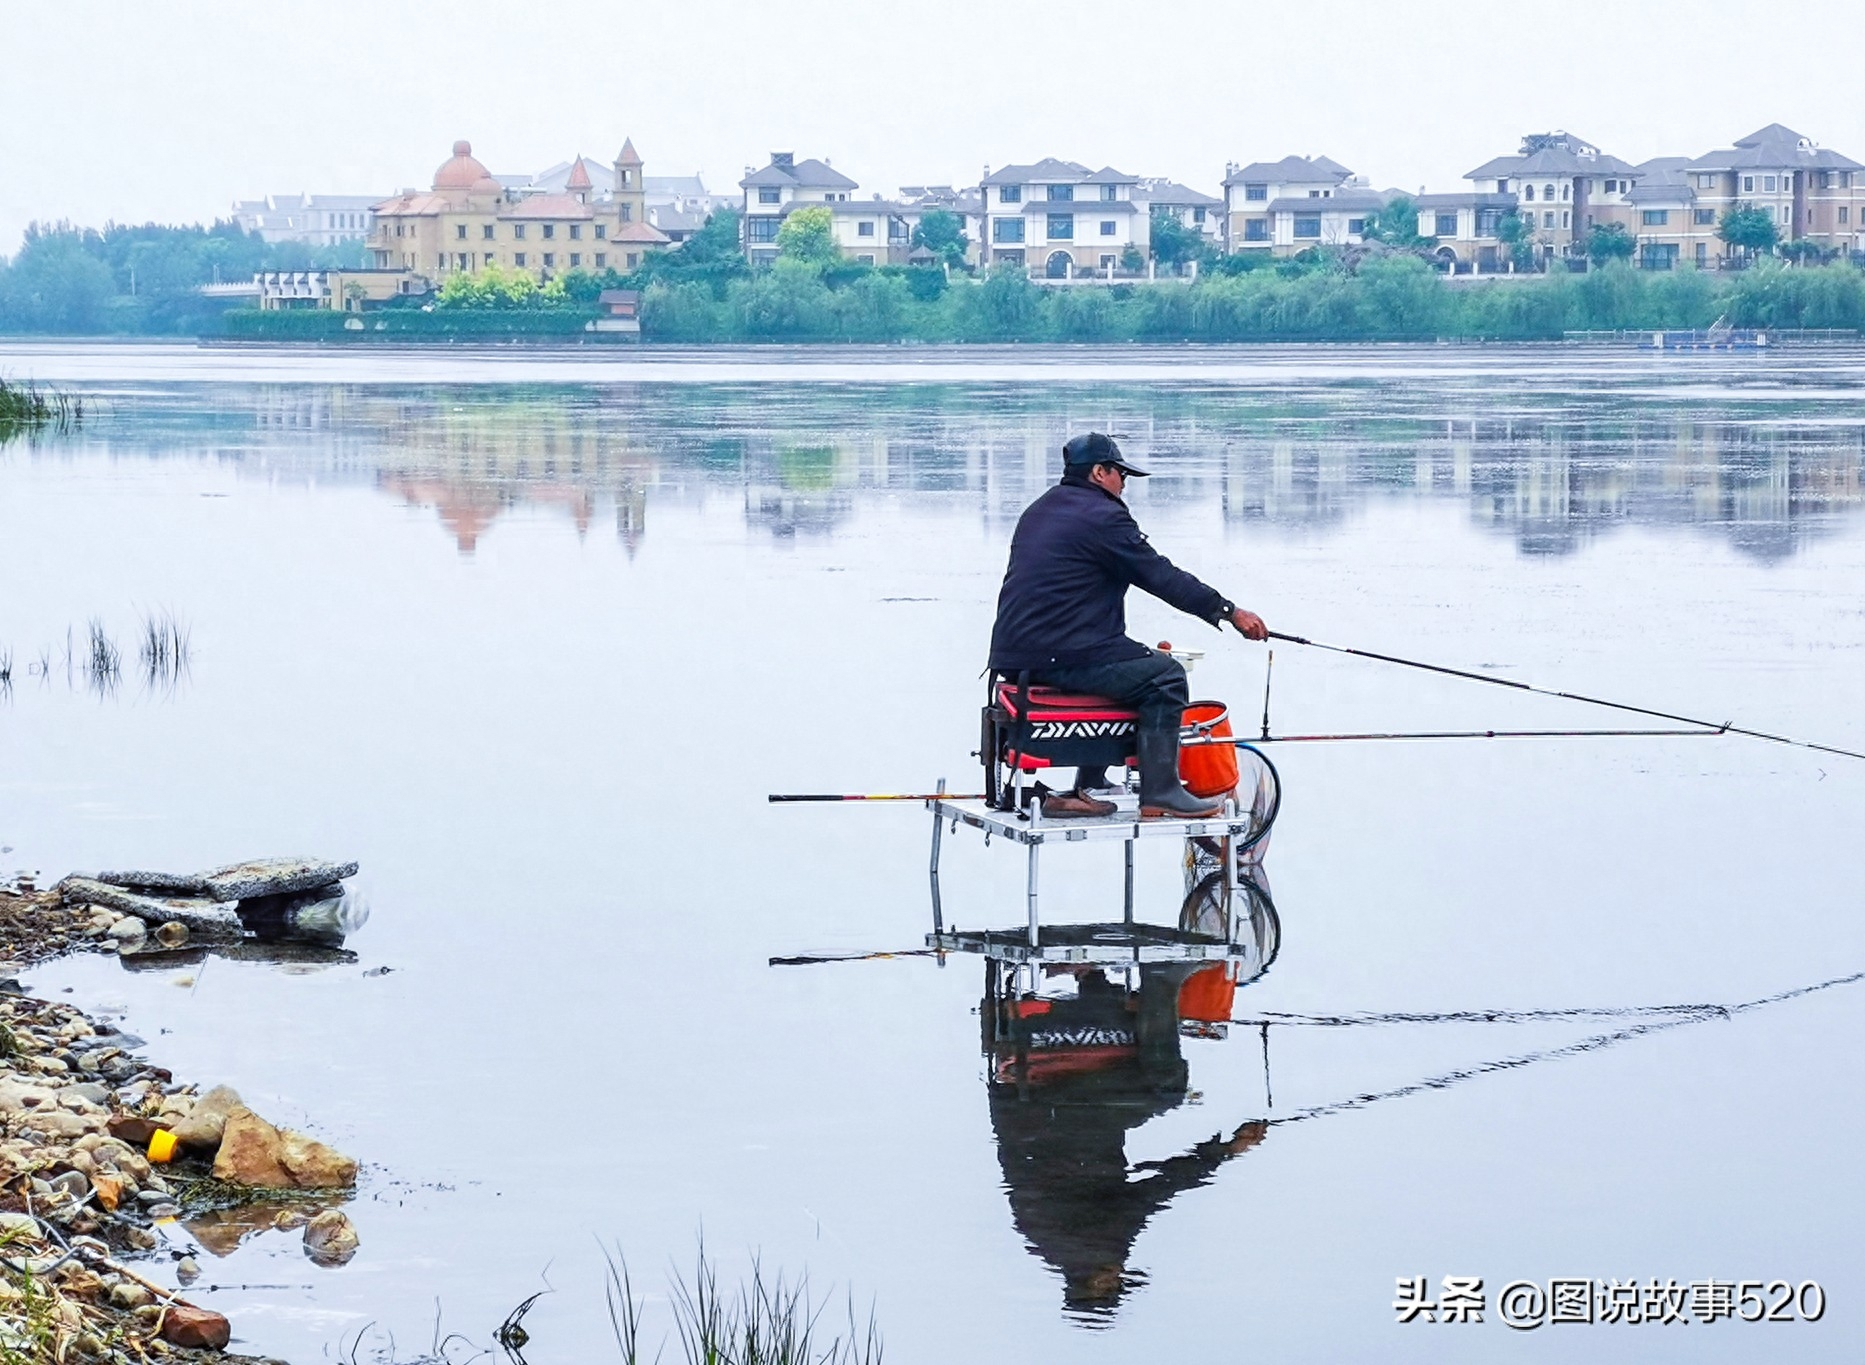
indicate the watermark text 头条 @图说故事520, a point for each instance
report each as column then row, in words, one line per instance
column 1528, row 1304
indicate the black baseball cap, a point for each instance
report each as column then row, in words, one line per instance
column 1095, row 448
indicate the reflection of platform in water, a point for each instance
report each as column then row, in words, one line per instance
column 1106, row 945
column 1034, row 829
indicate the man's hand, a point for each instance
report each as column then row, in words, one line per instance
column 1249, row 624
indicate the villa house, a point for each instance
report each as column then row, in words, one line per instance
column 1249, row 192
column 1464, row 227
column 1812, row 193
column 1563, row 186
column 470, row 220
column 786, row 183
column 966, row 205
column 1193, row 210
column 1059, row 219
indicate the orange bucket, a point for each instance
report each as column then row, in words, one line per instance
column 1207, row 770
column 1208, row 994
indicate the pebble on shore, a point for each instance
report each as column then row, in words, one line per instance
column 78, row 1193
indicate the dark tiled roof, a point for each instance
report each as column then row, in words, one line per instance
column 809, row 172
column 1341, row 201
column 1297, row 168
column 1775, row 147
column 1063, row 172
column 1171, row 192
column 1477, row 200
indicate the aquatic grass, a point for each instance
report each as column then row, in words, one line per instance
column 765, row 1321
column 27, row 407
column 164, row 648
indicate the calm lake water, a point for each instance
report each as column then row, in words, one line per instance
column 531, row 637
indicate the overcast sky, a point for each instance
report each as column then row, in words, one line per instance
column 139, row 109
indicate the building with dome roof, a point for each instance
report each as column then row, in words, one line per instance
column 471, row 219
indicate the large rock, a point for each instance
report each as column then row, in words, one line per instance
column 201, row 1129
column 330, row 1238
column 253, row 1152
column 200, row 1328
column 202, row 916
column 273, row 877
column 249, row 1153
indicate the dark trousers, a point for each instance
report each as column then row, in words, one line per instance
column 1154, row 685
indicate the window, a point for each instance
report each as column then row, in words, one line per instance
column 602, row 260
column 550, row 231
column 634, row 259
column 1567, row 218
column 1308, row 226
column 1010, row 194
column 1566, row 193
column 761, row 229
column 1061, row 193
column 769, row 194
column 1107, row 227
column 1703, row 252
column 1787, row 214
column 576, row 259
column 864, row 229
column 627, row 214
column 1748, row 184
column 1107, row 262
column 1767, row 183
column 1706, row 180
column 1547, row 191
column 1061, row 227
column 1107, row 194
column 1703, row 217
column 1006, row 229
column 491, row 259
column 1845, row 180
column 518, row 259
column 1356, row 226
column 1655, row 217
column 1547, row 219
column 1198, row 215
column 550, row 259
column 518, row 232
column 486, row 232
column 1843, row 213
column 1256, row 194
column 460, row 232
column 1528, row 193
column 1612, row 187
column 1502, row 187
column 866, row 258
column 1256, row 230
column 1446, row 225
column 1826, row 180
column 1316, row 194
column 576, row 232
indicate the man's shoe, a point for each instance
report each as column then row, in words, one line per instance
column 1065, row 804
column 1161, row 796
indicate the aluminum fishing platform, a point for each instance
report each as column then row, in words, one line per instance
column 1236, row 828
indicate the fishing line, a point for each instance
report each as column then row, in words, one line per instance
column 1567, row 696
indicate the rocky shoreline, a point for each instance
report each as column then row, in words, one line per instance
column 104, row 1156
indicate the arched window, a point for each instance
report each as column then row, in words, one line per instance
column 1547, row 191
column 1528, row 193
column 1566, row 190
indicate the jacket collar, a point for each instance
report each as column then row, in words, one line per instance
column 1071, row 479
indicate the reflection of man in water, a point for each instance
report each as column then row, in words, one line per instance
column 1061, row 1134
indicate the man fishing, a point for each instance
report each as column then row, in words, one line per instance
column 1061, row 618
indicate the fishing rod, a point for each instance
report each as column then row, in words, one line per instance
column 1447, row 734
column 778, row 798
column 1724, row 728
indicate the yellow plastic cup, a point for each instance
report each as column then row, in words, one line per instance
column 161, row 1146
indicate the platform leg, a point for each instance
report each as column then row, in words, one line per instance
column 1035, row 940
column 933, row 868
column 1129, row 881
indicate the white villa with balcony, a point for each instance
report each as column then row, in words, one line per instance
column 1061, row 220
column 785, row 184
column 1254, row 196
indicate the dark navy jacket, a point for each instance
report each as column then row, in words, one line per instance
column 1063, row 604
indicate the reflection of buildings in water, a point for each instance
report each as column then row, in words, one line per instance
column 1553, row 470
column 1082, row 1053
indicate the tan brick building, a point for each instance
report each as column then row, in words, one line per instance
column 469, row 221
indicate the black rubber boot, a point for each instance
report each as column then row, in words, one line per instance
column 1160, row 792
column 1090, row 779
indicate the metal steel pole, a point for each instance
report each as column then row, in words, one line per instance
column 933, row 869
column 1035, row 848
column 1129, row 881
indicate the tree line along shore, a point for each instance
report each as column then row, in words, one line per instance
column 68, row 282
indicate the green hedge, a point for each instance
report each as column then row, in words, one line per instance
column 391, row 324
